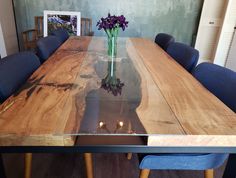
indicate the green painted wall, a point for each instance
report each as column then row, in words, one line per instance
column 147, row 17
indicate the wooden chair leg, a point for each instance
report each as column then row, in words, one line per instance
column 209, row 173
column 89, row 164
column 144, row 173
column 28, row 165
column 129, row 156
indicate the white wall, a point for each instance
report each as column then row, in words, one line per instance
column 3, row 51
column 8, row 26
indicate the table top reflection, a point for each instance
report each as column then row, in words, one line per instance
column 111, row 95
column 81, row 91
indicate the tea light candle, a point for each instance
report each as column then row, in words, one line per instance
column 101, row 124
column 121, row 124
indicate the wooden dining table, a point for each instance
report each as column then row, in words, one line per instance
column 159, row 100
column 140, row 100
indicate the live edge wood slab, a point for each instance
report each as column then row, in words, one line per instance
column 170, row 107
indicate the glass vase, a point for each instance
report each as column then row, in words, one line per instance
column 112, row 46
column 112, row 35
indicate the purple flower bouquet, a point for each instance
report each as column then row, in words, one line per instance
column 111, row 25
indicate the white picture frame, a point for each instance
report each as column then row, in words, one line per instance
column 62, row 19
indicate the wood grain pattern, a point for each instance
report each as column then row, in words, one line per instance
column 153, row 111
column 32, row 113
column 173, row 108
column 198, row 111
column 192, row 140
column 76, row 44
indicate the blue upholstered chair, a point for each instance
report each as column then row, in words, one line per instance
column 218, row 80
column 205, row 162
column 14, row 71
column 222, row 83
column 61, row 34
column 185, row 55
column 164, row 40
column 46, row 46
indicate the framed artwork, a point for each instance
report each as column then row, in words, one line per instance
column 62, row 19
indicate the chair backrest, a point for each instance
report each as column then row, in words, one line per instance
column 164, row 40
column 185, row 55
column 29, row 39
column 86, row 27
column 38, row 22
column 218, row 80
column 46, row 46
column 61, row 34
column 14, row 71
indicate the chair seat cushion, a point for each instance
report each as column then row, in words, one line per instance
column 182, row 161
column 218, row 80
column 47, row 46
column 61, row 34
column 185, row 55
column 164, row 40
column 14, row 71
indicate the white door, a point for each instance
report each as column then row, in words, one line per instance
column 226, row 34
column 3, row 52
column 210, row 24
column 231, row 61
column 8, row 26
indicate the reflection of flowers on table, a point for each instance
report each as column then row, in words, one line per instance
column 68, row 22
column 111, row 83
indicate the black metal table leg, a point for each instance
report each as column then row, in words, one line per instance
column 230, row 170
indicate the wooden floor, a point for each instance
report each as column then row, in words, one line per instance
column 72, row 166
